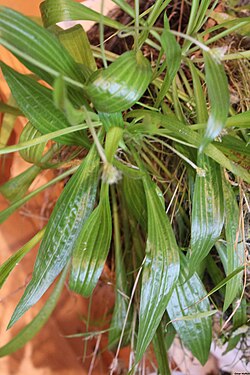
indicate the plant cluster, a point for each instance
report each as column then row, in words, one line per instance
column 161, row 186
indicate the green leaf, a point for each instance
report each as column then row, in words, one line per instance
column 190, row 314
column 66, row 221
column 54, row 11
column 160, row 350
column 7, row 124
column 32, row 154
column 28, row 332
column 20, row 202
column 122, row 84
column 121, row 288
column 199, row 95
column 36, row 102
column 218, row 94
column 235, row 248
column 182, row 132
column 135, row 199
column 33, row 41
column 11, row 262
column 160, row 269
column 172, row 50
column 207, row 211
column 76, row 41
column 91, row 248
column 16, row 187
column 6, row 108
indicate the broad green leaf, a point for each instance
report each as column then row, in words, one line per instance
column 66, row 221
column 160, row 350
column 172, row 50
column 218, row 94
column 235, row 248
column 28, row 332
column 122, row 287
column 76, row 41
column 15, row 188
column 91, row 248
column 18, row 32
column 13, row 260
column 32, row 154
column 122, row 84
column 160, row 269
column 182, row 132
column 36, row 102
column 207, row 211
column 54, row 11
column 190, row 314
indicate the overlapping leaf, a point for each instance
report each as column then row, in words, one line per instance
column 36, row 102
column 207, row 211
column 68, row 217
column 32, row 154
column 91, row 248
column 160, row 269
column 186, row 300
column 218, row 94
column 235, row 253
column 38, row 49
column 54, row 11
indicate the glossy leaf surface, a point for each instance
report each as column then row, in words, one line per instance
column 207, row 211
column 160, row 269
column 186, row 300
column 218, row 94
column 120, row 85
column 35, row 42
column 91, row 248
column 66, row 221
column 54, row 11
column 36, row 102
column 235, row 249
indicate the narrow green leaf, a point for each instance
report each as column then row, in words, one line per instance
column 207, row 211
column 68, row 217
column 160, row 270
column 218, row 94
column 91, row 248
column 122, row 84
column 190, row 314
column 235, row 252
column 113, row 138
column 28, row 332
column 182, row 132
column 29, row 38
column 135, row 199
column 199, row 95
column 13, row 260
column 172, row 50
column 54, row 11
column 160, row 350
column 36, row 102
column 121, row 287
column 32, row 154
column 76, row 41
